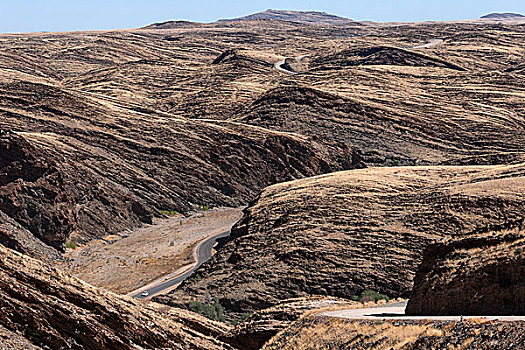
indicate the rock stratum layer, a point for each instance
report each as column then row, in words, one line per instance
column 103, row 129
column 478, row 275
column 69, row 169
column 318, row 333
column 43, row 308
column 261, row 326
column 342, row 233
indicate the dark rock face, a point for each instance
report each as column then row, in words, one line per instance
column 380, row 55
column 342, row 233
column 477, row 275
column 32, row 191
column 14, row 236
column 236, row 55
column 53, row 311
column 77, row 174
column 52, row 201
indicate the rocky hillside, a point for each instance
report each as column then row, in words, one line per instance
column 262, row 325
column 303, row 17
column 74, row 168
column 505, row 15
column 328, row 333
column 43, row 308
column 101, row 130
column 481, row 274
column 343, row 233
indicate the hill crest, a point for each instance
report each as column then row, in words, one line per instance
column 305, row 17
column 506, row 15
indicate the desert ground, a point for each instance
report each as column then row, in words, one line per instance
column 353, row 162
column 125, row 262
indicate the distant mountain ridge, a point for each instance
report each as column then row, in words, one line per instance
column 507, row 15
column 305, row 17
column 302, row 17
column 171, row 25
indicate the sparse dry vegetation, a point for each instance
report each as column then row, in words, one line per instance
column 366, row 144
column 328, row 333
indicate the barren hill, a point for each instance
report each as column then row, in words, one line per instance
column 343, row 233
column 303, row 17
column 102, row 130
column 506, row 15
column 329, row 333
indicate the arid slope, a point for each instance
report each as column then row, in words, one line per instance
column 343, row 233
column 114, row 125
column 53, row 311
column 328, row 333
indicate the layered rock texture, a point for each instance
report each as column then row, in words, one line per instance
column 100, row 132
column 103, row 129
column 319, row 333
column 68, row 170
column 261, row 326
column 43, row 308
column 482, row 274
column 343, row 233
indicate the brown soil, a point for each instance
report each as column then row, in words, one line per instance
column 122, row 263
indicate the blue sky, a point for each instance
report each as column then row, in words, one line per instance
column 64, row 15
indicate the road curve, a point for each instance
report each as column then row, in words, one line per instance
column 279, row 65
column 396, row 311
column 204, row 252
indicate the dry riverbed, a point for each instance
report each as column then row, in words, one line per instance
column 125, row 262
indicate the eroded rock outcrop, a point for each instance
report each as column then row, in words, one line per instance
column 380, row 55
column 53, row 199
column 333, row 333
column 482, row 274
column 385, row 136
column 261, row 326
column 42, row 307
column 74, row 169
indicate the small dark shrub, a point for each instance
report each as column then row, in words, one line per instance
column 369, row 295
column 213, row 311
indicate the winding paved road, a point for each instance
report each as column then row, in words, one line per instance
column 204, row 253
column 396, row 311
